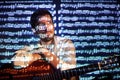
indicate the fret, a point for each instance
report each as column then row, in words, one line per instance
column 64, row 74
column 84, row 69
column 67, row 73
column 89, row 68
column 71, row 72
column 45, row 77
column 42, row 78
column 61, row 73
column 75, row 72
column 39, row 78
column 53, row 76
column 48, row 77
column 58, row 74
column 79, row 70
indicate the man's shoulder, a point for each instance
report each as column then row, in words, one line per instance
column 59, row 38
column 62, row 39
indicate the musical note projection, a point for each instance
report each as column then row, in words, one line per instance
column 93, row 26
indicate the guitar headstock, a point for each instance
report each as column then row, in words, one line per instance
column 110, row 63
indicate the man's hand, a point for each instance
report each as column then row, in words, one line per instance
column 23, row 58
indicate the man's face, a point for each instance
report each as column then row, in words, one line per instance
column 45, row 28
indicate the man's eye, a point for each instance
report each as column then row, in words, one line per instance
column 49, row 22
column 41, row 24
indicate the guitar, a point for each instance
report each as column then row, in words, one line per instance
column 40, row 72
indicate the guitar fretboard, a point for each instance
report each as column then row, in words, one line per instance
column 59, row 75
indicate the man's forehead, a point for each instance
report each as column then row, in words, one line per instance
column 45, row 18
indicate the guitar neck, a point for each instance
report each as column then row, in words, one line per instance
column 111, row 63
column 59, row 75
column 79, row 70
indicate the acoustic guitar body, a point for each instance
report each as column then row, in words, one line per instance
column 32, row 72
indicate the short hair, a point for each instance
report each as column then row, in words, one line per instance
column 36, row 15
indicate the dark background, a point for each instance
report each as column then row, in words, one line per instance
column 93, row 26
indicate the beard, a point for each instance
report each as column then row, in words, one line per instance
column 46, row 38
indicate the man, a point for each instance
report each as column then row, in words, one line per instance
column 59, row 52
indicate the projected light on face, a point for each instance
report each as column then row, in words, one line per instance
column 45, row 28
column 41, row 29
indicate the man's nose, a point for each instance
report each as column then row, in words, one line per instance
column 43, row 28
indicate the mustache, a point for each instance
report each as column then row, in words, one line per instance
column 41, row 29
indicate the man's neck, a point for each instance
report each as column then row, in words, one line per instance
column 47, row 43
